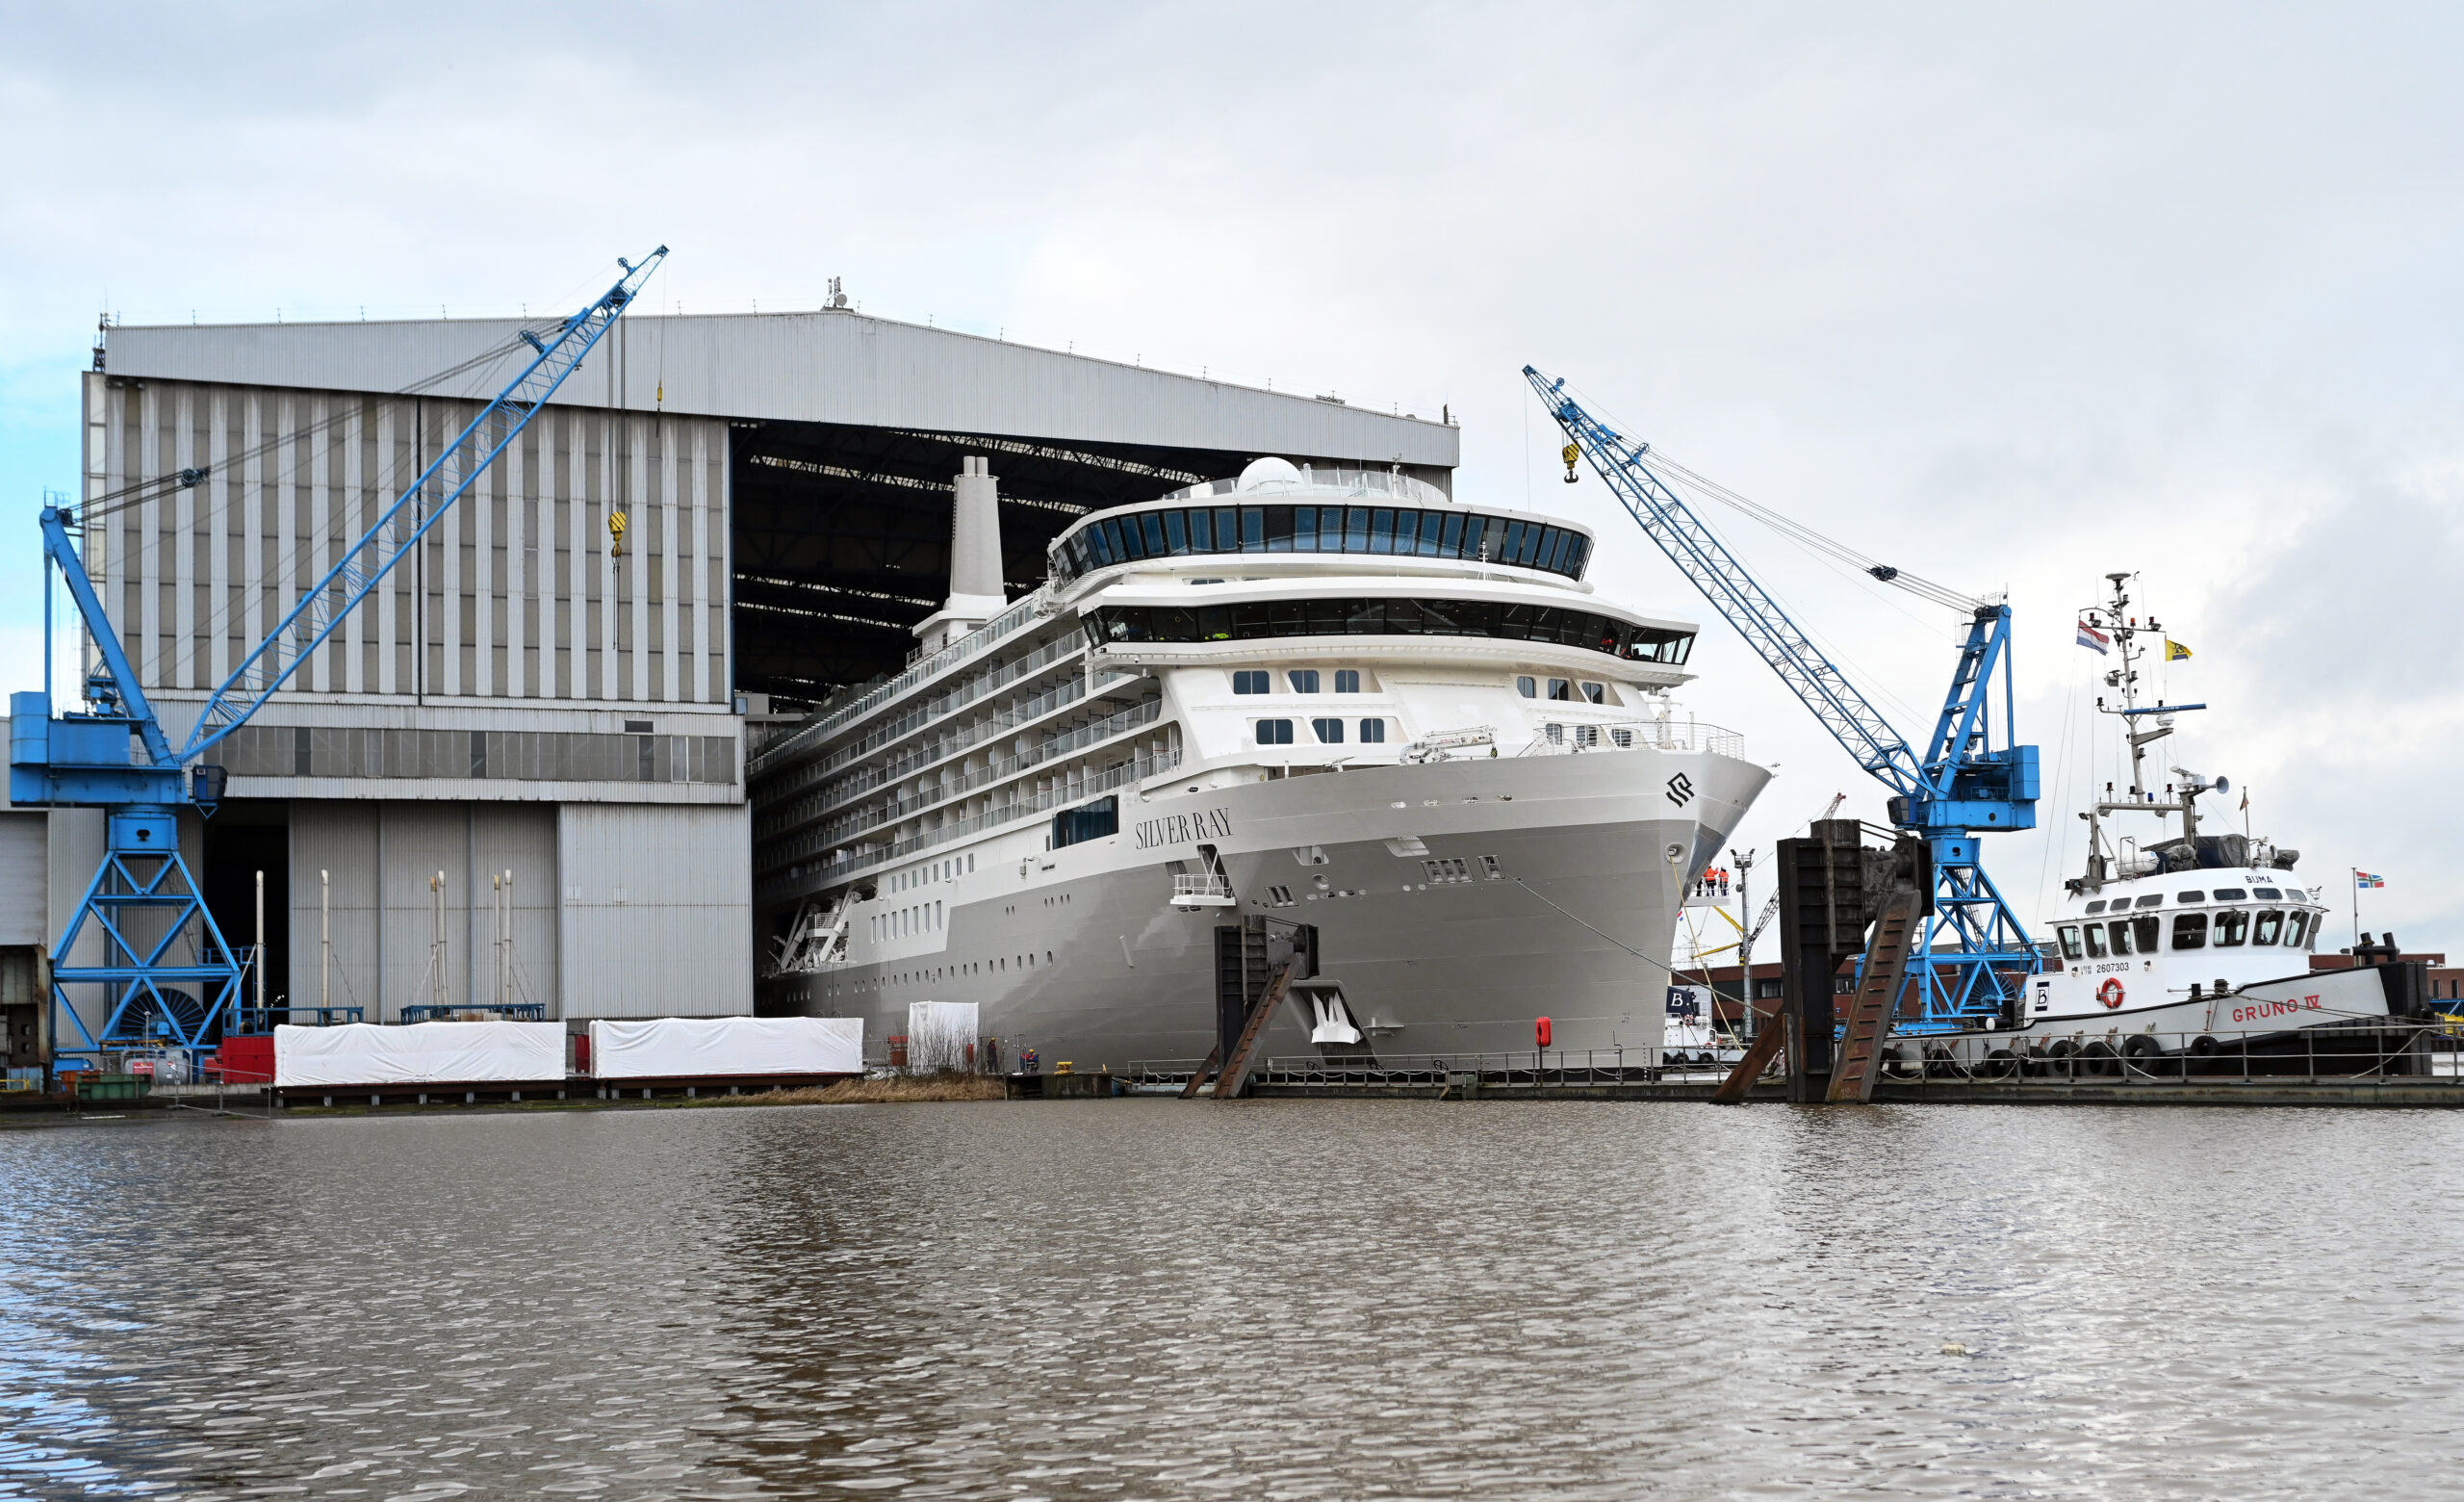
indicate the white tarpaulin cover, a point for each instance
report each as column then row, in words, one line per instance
column 940, row 1035
column 422, row 1053
column 673, row 1047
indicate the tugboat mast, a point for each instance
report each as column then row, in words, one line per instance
column 2112, row 617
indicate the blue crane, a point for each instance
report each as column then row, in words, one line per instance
column 169, row 978
column 1975, row 954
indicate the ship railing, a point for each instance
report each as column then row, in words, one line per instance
column 780, row 889
column 2416, row 1053
column 1208, row 884
column 840, row 710
column 1570, row 737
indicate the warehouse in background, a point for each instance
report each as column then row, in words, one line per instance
column 717, row 524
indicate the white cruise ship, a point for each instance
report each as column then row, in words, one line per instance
column 1334, row 708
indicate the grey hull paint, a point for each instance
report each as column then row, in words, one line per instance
column 1080, row 955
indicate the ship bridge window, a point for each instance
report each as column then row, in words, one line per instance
column 2120, row 934
column 2095, row 934
column 2148, row 931
column 1263, row 620
column 2189, row 931
column 2232, row 928
column 2070, row 943
column 2230, row 894
column 2268, row 928
column 2297, row 928
column 2268, row 895
column 1430, row 533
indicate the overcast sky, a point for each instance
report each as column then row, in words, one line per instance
column 2009, row 302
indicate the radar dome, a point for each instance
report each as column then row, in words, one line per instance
column 1266, row 472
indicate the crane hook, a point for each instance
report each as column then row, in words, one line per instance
column 615, row 534
column 1570, row 454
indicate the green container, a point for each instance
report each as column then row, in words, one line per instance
column 115, row 1087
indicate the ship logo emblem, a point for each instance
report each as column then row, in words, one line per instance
column 1681, row 792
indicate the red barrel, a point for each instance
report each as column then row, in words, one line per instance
column 1541, row 1033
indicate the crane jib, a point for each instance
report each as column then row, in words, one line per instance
column 1976, row 951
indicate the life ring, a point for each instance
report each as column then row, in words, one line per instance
column 2109, row 993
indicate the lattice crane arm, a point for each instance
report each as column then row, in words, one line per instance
column 365, row 564
column 1705, row 560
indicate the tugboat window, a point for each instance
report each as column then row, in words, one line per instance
column 2231, row 894
column 2189, row 931
column 2095, row 908
column 2232, row 928
column 2120, row 933
column 2070, row 943
column 2188, row 897
column 2268, row 895
column 2271, row 925
column 2297, row 929
column 1347, row 680
column 2149, row 932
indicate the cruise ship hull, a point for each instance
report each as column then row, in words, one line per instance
column 1456, row 903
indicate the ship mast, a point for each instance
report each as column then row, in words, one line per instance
column 2113, row 618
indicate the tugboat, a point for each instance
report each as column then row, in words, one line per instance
column 2190, row 943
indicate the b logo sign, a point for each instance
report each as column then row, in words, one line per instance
column 1681, row 792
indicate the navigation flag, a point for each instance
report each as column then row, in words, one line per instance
column 2093, row 639
column 2175, row 651
column 2364, row 879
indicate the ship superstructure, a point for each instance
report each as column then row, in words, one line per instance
column 1331, row 707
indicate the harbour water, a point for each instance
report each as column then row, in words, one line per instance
column 1147, row 1298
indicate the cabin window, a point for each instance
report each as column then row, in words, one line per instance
column 1347, row 680
column 1622, row 736
column 1597, row 694
column 1250, row 681
column 1529, row 687
column 2154, row 900
column 2149, row 932
column 2095, row 908
column 2270, row 927
column 1432, row 524
column 1176, row 537
column 1373, row 731
column 2070, row 943
column 2095, row 934
column 2299, row 928
column 2188, row 897
column 2268, row 895
column 1093, row 821
column 1330, row 732
column 1253, row 529
column 2232, row 928
column 1274, row 733
column 1560, row 688
column 1304, row 679
column 2231, row 894
column 1586, row 735
column 2189, row 931
column 2120, row 931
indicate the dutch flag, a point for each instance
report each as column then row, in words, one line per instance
column 2093, row 639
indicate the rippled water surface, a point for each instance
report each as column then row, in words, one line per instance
column 1151, row 1299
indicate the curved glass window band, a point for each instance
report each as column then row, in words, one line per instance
column 1104, row 541
column 1262, row 620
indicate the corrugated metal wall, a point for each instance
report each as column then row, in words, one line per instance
column 380, row 857
column 658, row 911
column 515, row 595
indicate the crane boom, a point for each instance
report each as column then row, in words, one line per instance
column 1975, row 952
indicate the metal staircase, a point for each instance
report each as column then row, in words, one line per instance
column 1880, row 982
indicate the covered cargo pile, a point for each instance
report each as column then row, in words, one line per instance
column 942, row 1037
column 419, row 1053
column 727, row 1048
